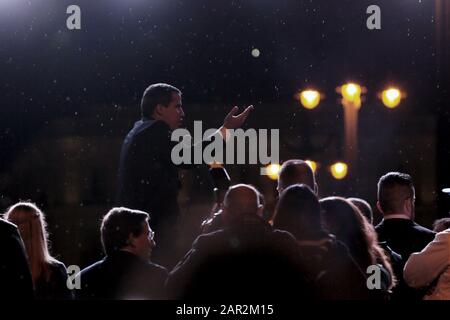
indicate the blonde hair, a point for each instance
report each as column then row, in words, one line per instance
column 32, row 227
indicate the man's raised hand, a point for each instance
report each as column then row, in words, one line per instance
column 233, row 120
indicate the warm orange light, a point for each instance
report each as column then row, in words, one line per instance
column 312, row 164
column 339, row 170
column 272, row 171
column 351, row 92
column 215, row 164
column 391, row 97
column 310, row 98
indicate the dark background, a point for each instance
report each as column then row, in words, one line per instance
column 69, row 97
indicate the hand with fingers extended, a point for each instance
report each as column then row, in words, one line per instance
column 233, row 120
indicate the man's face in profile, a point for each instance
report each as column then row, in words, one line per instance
column 144, row 243
column 173, row 114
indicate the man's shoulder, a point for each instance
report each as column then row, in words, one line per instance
column 405, row 224
column 208, row 239
column 156, row 269
column 147, row 128
column 7, row 228
column 387, row 224
column 422, row 229
column 423, row 233
column 93, row 268
column 151, row 127
column 282, row 237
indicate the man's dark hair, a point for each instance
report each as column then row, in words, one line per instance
column 118, row 224
column 298, row 212
column 158, row 93
column 393, row 189
column 296, row 171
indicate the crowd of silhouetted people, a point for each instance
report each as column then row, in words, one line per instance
column 310, row 248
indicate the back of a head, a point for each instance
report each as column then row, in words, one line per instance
column 296, row 171
column 393, row 189
column 158, row 93
column 345, row 221
column 298, row 212
column 118, row 224
column 240, row 201
column 441, row 224
column 364, row 207
column 32, row 227
column 31, row 224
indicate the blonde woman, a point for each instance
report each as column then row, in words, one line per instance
column 48, row 274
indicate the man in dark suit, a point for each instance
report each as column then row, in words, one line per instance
column 396, row 197
column 126, row 272
column 148, row 178
column 15, row 276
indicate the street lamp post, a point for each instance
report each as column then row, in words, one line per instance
column 351, row 101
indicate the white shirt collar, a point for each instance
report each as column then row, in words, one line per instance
column 396, row 216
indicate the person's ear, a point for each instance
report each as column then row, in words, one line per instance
column 379, row 207
column 131, row 241
column 159, row 110
column 407, row 205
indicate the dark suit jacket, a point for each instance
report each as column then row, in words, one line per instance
column 15, row 276
column 148, row 179
column 404, row 237
column 122, row 276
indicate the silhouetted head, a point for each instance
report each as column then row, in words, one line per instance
column 162, row 101
column 296, row 171
column 441, row 224
column 298, row 212
column 127, row 230
column 364, row 207
column 347, row 223
column 396, row 194
column 30, row 221
column 241, row 201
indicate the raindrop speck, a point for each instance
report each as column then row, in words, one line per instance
column 255, row 53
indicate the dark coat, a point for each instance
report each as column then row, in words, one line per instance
column 147, row 178
column 122, row 276
column 55, row 288
column 248, row 260
column 15, row 276
column 333, row 273
column 404, row 237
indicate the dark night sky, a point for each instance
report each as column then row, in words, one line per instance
column 203, row 47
